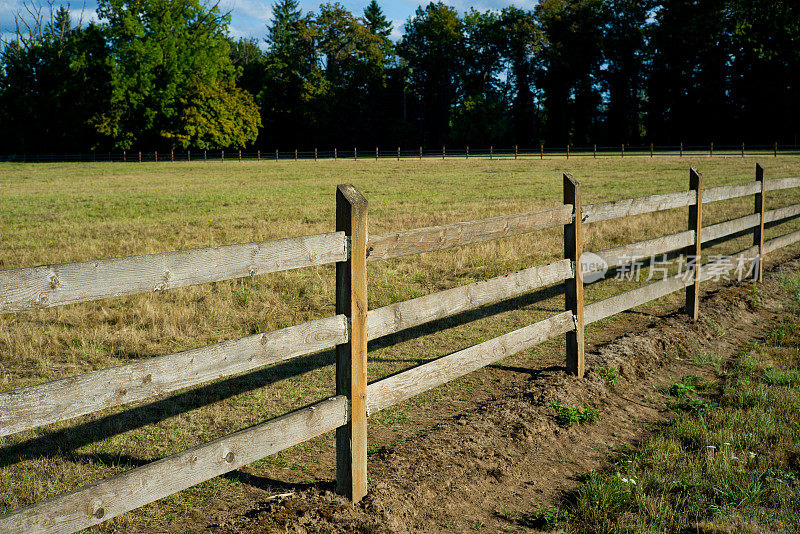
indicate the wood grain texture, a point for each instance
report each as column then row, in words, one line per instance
column 55, row 285
column 126, row 491
column 782, row 213
column 783, row 241
column 351, row 357
column 725, row 264
column 433, row 238
column 615, row 257
column 758, row 231
column 66, row 398
column 723, row 229
column 695, row 250
column 776, row 184
column 403, row 386
column 636, row 206
column 573, row 287
column 727, row 192
column 635, row 297
column 414, row 312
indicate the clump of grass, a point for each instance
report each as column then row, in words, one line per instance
column 681, row 390
column 544, row 518
column 568, row 415
column 609, row 374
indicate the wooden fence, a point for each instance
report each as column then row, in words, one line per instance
column 491, row 152
column 350, row 248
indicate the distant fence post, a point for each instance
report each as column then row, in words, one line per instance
column 491, row 152
column 351, row 357
column 742, row 149
column 711, row 150
column 516, row 151
column 155, row 156
column 420, row 152
column 222, row 156
column 758, row 234
column 651, row 150
column 355, row 154
column 681, row 149
column 125, row 156
column 776, row 149
column 443, row 152
column 277, row 155
column 573, row 247
column 258, row 155
column 567, row 150
column 140, row 156
column 696, row 224
column 315, row 153
column 188, row 154
column 398, row 153
column 205, row 154
column 622, row 154
column 541, row 151
column 335, row 153
column 595, row 151
column 467, row 151
column 240, row 155
column 295, row 154
column 172, row 155
column 376, row 153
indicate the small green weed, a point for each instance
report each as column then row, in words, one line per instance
column 609, row 374
column 543, row 518
column 567, row 415
column 680, row 390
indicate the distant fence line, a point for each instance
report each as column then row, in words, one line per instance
column 376, row 153
column 350, row 247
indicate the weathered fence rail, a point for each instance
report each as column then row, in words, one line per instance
column 348, row 331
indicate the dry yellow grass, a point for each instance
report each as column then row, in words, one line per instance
column 69, row 212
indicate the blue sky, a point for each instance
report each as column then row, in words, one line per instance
column 249, row 17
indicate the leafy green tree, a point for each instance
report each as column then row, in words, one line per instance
column 433, row 48
column 170, row 56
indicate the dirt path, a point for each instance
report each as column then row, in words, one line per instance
column 507, row 455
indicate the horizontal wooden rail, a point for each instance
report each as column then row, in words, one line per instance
column 615, row 257
column 91, row 505
column 403, row 386
column 782, row 213
column 782, row 241
column 66, row 398
column 724, row 229
column 728, row 192
column 636, row 297
column 395, row 245
column 782, row 183
column 722, row 265
column 627, row 207
column 54, row 285
column 414, row 312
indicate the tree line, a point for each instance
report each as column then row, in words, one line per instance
column 162, row 74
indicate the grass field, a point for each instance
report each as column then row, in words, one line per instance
column 51, row 213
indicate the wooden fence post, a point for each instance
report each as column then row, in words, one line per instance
column 595, row 151
column 681, row 148
column 696, row 224
column 516, row 151
column 567, row 150
column 124, row 155
column 443, row 152
column 351, row 357
column 295, row 154
column 205, row 154
column 758, row 234
column 277, row 155
column 222, row 156
column 355, row 154
column 711, row 150
column 188, row 154
column 240, row 155
column 776, row 149
column 315, row 153
column 376, row 153
column 623, row 151
column 420, row 152
column 335, row 153
column 140, row 156
column 172, row 155
column 651, row 150
column 742, row 149
column 398, row 153
column 573, row 247
column 467, row 151
column 491, row 152
column 155, row 156
column 541, row 151
column 258, row 155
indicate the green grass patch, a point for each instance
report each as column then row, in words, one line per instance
column 568, row 415
column 609, row 374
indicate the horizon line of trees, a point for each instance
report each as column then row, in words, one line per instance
column 164, row 74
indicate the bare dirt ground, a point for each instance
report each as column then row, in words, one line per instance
column 506, row 454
